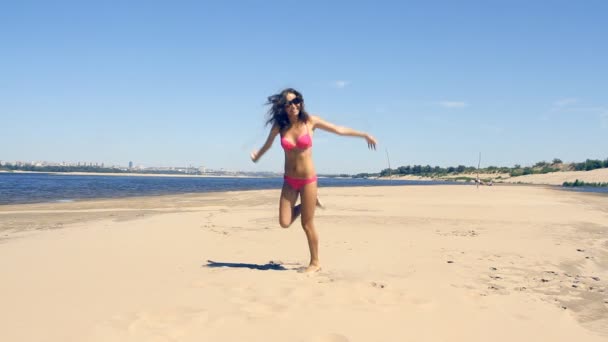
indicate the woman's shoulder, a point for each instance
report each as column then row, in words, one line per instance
column 275, row 129
column 313, row 118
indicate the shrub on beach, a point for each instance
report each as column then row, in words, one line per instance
column 591, row 164
column 582, row 183
column 548, row 169
column 528, row 171
column 517, row 172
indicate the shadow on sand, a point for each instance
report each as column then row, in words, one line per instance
column 269, row 266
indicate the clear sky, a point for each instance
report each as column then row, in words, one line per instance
column 172, row 83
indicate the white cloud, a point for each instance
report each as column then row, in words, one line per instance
column 453, row 104
column 565, row 102
column 340, row 84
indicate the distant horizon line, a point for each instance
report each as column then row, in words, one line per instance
column 97, row 164
column 556, row 162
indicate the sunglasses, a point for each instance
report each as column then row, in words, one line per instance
column 295, row 101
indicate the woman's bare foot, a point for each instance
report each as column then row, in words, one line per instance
column 320, row 204
column 312, row 268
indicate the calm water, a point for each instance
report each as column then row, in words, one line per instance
column 37, row 188
column 18, row 188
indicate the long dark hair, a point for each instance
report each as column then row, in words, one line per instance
column 277, row 114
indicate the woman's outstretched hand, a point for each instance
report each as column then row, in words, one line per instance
column 371, row 142
column 254, row 156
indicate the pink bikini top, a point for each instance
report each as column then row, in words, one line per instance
column 303, row 142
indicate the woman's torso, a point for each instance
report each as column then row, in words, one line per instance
column 297, row 144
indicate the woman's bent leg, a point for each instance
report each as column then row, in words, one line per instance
column 288, row 211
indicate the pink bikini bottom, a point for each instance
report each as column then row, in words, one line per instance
column 298, row 183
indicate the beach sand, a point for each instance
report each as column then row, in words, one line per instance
column 411, row 263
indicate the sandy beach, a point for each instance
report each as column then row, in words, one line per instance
column 411, row 263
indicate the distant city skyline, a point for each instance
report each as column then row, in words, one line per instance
column 435, row 82
column 128, row 165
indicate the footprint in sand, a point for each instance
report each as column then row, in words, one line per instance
column 497, row 289
column 172, row 324
column 378, row 285
column 325, row 280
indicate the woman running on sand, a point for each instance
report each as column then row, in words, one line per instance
column 289, row 119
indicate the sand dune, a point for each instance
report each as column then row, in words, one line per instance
column 553, row 178
column 416, row 263
column 558, row 178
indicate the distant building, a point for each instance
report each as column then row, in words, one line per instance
column 130, row 165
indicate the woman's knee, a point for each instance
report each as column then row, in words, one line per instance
column 308, row 224
column 284, row 223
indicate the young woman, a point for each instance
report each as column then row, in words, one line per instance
column 290, row 120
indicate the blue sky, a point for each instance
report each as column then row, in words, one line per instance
column 166, row 83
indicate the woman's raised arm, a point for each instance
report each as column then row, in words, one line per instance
column 345, row 131
column 256, row 155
